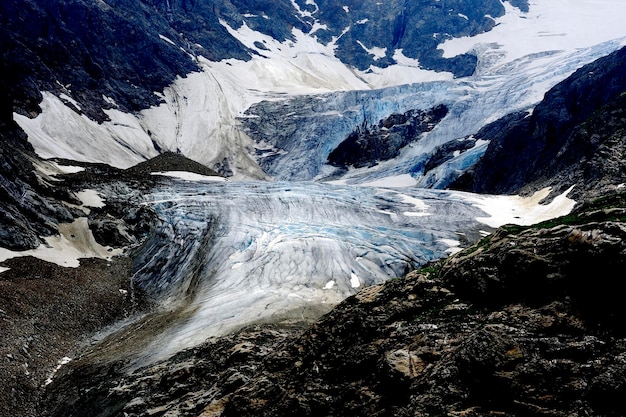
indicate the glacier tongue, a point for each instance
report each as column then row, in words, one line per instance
column 242, row 252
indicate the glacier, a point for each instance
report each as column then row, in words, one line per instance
column 230, row 254
column 201, row 113
column 287, row 236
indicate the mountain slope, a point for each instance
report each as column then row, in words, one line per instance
column 469, row 335
column 135, row 78
column 128, row 49
column 574, row 136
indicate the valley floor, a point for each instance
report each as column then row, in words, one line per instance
column 49, row 312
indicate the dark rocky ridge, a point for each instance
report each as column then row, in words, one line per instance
column 369, row 145
column 31, row 206
column 576, row 135
column 416, row 27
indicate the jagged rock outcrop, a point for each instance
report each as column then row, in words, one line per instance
column 415, row 27
column 31, row 206
column 369, row 145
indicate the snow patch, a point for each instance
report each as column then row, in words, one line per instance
column 58, row 131
column 190, row 176
column 454, row 245
column 523, row 211
column 91, row 198
column 63, row 361
column 166, row 39
column 403, row 180
column 376, row 52
column 553, row 25
column 355, row 282
column 75, row 241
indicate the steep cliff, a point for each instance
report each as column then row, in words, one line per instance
column 576, row 135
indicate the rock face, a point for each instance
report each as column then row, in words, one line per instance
column 415, row 27
column 511, row 326
column 31, row 206
column 369, row 145
column 575, row 135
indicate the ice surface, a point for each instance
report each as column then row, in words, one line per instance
column 260, row 251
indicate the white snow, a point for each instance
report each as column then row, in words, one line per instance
column 63, row 361
column 550, row 25
column 355, row 282
column 166, row 39
column 375, row 51
column 190, row 176
column 69, row 169
column 455, row 246
column 90, row 198
column 523, row 211
column 51, row 169
column 403, row 180
column 61, row 132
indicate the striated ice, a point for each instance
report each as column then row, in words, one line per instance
column 258, row 250
column 266, row 251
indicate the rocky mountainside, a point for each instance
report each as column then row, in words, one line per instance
column 31, row 206
column 384, row 141
column 526, row 322
column 574, row 136
column 123, row 51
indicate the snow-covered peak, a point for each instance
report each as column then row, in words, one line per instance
column 549, row 25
